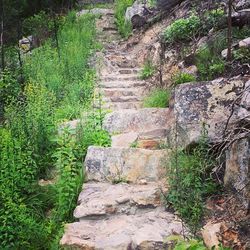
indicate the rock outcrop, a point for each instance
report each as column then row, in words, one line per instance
column 206, row 104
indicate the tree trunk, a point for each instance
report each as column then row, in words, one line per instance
column 2, row 34
column 229, row 32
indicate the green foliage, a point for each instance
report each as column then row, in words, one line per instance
column 40, row 26
column 182, row 29
column 69, row 169
column 68, row 76
column 124, row 27
column 90, row 132
column 59, row 85
column 242, row 55
column 159, row 98
column 134, row 144
column 183, row 77
column 148, row 70
column 191, row 244
column 212, row 18
column 190, row 183
column 209, row 64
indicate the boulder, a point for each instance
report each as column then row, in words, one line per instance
column 245, row 43
column 137, row 14
column 204, row 103
column 242, row 4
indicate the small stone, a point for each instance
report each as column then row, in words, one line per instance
column 245, row 43
column 209, row 234
column 143, row 182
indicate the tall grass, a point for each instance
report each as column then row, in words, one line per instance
column 124, row 26
column 59, row 86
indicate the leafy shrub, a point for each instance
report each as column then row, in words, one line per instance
column 124, row 27
column 182, row 29
column 191, row 244
column 159, row 98
column 209, row 64
column 242, row 55
column 148, row 70
column 183, row 77
column 190, row 183
column 212, row 18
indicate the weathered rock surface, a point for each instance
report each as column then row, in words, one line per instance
column 141, row 231
column 104, row 199
column 245, row 43
column 208, row 103
column 138, row 13
column 127, row 164
column 237, row 171
column 210, row 234
column 136, row 120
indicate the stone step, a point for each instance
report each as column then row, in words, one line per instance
column 127, row 164
column 120, row 77
column 142, row 120
column 128, row 71
column 122, row 84
column 117, row 92
column 99, row 200
column 148, row 140
column 131, row 98
column 147, row 231
column 115, row 106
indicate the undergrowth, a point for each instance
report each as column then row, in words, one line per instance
column 58, row 86
column 190, row 182
column 124, row 26
column 158, row 98
column 148, row 70
column 183, row 77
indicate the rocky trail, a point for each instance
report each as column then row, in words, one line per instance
column 121, row 205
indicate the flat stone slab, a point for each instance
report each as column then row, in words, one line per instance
column 142, row 120
column 104, row 199
column 145, row 231
column 127, row 164
column 124, row 140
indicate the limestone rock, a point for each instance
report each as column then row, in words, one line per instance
column 137, row 14
column 141, row 231
column 204, row 102
column 104, row 199
column 243, row 108
column 129, row 164
column 142, row 120
column 209, row 234
column 245, row 43
column 238, row 170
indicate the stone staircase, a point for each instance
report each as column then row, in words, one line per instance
column 121, row 205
